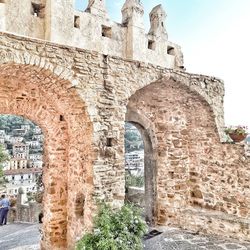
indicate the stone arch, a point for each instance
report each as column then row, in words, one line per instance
column 150, row 168
column 54, row 104
column 181, row 125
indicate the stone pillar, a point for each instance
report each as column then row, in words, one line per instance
column 19, row 202
column 132, row 17
column 97, row 7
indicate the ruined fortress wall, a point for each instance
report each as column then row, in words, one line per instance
column 184, row 121
column 59, row 22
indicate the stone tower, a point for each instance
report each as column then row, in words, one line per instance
column 97, row 7
column 157, row 22
column 132, row 18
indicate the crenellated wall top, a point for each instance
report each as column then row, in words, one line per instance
column 92, row 29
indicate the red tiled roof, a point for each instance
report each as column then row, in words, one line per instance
column 23, row 171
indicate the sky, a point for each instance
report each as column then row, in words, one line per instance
column 215, row 39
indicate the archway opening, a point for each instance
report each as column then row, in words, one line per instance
column 51, row 102
column 21, row 142
column 139, row 169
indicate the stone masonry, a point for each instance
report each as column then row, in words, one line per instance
column 81, row 100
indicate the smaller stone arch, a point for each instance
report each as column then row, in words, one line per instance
column 150, row 169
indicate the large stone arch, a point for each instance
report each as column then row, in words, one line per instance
column 54, row 104
column 166, row 110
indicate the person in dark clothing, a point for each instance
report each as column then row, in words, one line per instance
column 40, row 217
column 5, row 206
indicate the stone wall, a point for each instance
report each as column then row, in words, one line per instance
column 81, row 100
column 25, row 213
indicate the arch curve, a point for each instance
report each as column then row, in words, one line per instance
column 51, row 102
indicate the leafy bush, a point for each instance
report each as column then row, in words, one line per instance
column 115, row 230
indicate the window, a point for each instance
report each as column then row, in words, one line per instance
column 13, row 177
column 109, row 142
column 171, row 51
column 77, row 22
column 151, row 44
column 21, row 177
column 106, row 31
column 38, row 10
column 61, row 118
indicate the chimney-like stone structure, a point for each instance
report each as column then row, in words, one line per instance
column 97, row 7
column 132, row 13
column 132, row 18
column 2, row 15
column 157, row 21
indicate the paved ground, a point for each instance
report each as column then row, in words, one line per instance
column 19, row 237
column 175, row 239
column 26, row 237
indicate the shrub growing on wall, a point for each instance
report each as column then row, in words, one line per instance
column 115, row 230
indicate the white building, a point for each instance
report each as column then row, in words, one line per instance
column 25, row 178
column 37, row 130
column 38, row 137
column 35, row 157
column 21, row 151
column 33, row 144
column 2, row 134
column 15, row 139
column 36, row 164
column 134, row 162
column 25, row 127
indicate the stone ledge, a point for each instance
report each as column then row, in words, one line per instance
column 215, row 223
column 217, row 215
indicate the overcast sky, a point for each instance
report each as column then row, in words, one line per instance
column 215, row 38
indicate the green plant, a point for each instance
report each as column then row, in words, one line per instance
column 115, row 230
column 133, row 180
column 3, row 157
column 241, row 130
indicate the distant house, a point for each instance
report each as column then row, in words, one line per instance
column 2, row 134
column 37, row 130
column 25, row 127
column 19, row 132
column 20, row 150
column 33, row 144
column 25, row 178
column 15, row 139
column 134, row 160
column 35, row 157
column 36, row 164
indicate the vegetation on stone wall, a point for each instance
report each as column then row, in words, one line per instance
column 133, row 180
column 3, row 158
column 115, row 230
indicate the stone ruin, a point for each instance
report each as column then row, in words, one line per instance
column 80, row 77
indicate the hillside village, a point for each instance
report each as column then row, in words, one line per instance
column 22, row 142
